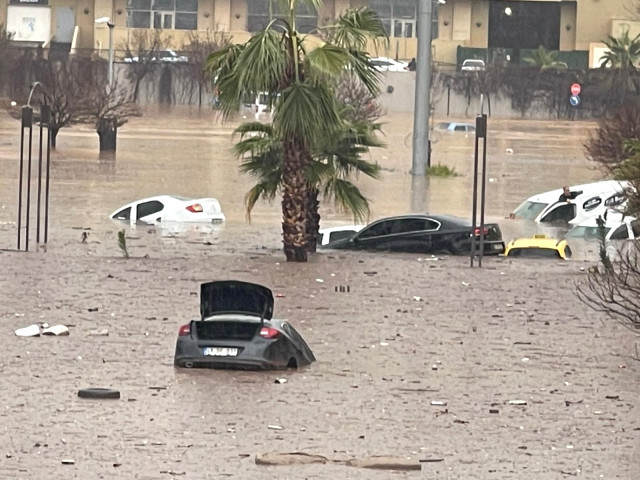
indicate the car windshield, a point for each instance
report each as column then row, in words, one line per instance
column 534, row 253
column 529, row 210
column 586, row 232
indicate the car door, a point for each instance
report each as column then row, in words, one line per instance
column 561, row 212
column 411, row 234
column 374, row 237
column 151, row 212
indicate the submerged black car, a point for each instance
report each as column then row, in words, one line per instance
column 236, row 330
column 423, row 234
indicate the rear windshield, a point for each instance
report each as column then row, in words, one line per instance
column 586, row 232
column 534, row 253
column 529, row 210
column 232, row 330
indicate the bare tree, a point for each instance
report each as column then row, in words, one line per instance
column 614, row 287
column 140, row 52
column 198, row 48
column 606, row 145
column 107, row 107
column 358, row 103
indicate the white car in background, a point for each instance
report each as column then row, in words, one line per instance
column 590, row 200
column 331, row 234
column 170, row 208
column 164, row 56
column 473, row 65
column 386, row 64
column 616, row 227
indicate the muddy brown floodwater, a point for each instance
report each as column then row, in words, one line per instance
column 493, row 373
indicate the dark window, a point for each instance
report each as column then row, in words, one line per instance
column 339, row 235
column 219, row 330
column 534, row 253
column 261, row 12
column 186, row 21
column 563, row 213
column 378, row 229
column 460, row 128
column 620, row 233
column 407, row 225
column 635, row 228
column 149, row 208
column 516, row 25
column 591, row 203
column 165, row 14
column 614, row 200
column 124, row 214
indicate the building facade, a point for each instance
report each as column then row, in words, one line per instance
column 564, row 25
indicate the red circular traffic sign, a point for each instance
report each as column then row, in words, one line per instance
column 575, row 89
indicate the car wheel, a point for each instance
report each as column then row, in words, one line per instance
column 98, row 393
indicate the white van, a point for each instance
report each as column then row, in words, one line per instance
column 591, row 200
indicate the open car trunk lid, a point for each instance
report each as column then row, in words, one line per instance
column 232, row 296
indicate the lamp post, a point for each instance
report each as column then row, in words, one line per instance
column 422, row 110
column 107, row 21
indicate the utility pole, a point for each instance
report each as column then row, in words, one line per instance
column 422, row 109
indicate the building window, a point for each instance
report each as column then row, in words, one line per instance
column 163, row 14
column 399, row 17
column 261, row 12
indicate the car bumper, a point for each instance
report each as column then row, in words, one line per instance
column 227, row 363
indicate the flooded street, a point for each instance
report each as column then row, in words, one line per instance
column 187, row 153
column 499, row 373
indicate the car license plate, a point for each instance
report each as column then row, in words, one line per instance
column 497, row 246
column 220, row 352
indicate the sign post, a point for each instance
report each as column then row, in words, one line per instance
column 574, row 99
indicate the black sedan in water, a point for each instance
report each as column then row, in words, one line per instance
column 236, row 330
column 423, row 234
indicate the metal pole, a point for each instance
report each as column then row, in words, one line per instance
column 26, row 234
column 111, row 26
column 46, row 189
column 422, row 109
column 39, row 178
column 483, row 188
column 474, row 204
column 26, row 120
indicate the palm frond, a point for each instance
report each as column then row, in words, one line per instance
column 307, row 112
column 327, row 60
column 355, row 28
column 258, row 191
column 348, row 197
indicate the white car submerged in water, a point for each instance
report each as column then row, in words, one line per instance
column 588, row 201
column 617, row 226
column 170, row 208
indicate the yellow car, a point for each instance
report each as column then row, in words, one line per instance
column 538, row 246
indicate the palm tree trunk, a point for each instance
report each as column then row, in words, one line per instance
column 313, row 218
column 294, row 201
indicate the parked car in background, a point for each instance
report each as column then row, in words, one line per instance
column 331, row 234
column 455, row 127
column 170, row 208
column 590, row 200
column 422, row 234
column 237, row 330
column 616, row 227
column 472, row 65
column 166, row 56
column 538, row 246
column 386, row 64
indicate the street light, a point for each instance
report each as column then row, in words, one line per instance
column 107, row 21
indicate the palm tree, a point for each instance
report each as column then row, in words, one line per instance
column 544, row 59
column 300, row 80
column 622, row 56
column 335, row 161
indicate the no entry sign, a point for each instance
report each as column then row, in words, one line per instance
column 576, row 89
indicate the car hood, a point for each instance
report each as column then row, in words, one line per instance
column 232, row 296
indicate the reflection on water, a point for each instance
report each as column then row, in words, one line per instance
column 188, row 153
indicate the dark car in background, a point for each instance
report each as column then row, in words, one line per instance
column 423, row 234
column 237, row 330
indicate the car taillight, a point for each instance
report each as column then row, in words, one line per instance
column 195, row 208
column 184, row 330
column 484, row 232
column 268, row 332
